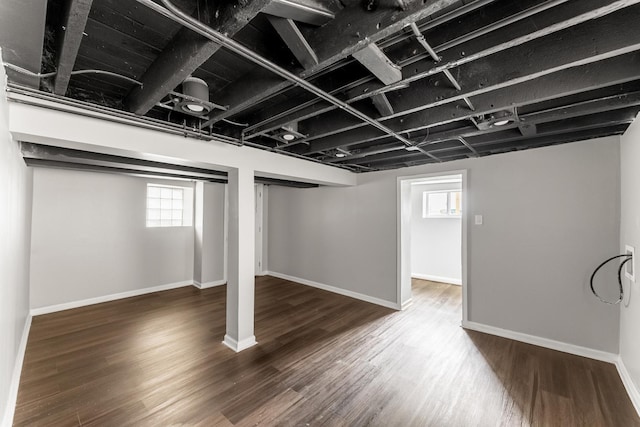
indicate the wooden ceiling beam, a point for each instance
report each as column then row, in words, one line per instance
column 612, row 71
column 379, row 64
column 464, row 50
column 514, row 66
column 449, row 29
column 333, row 42
column 188, row 51
column 295, row 41
column 75, row 19
column 382, row 104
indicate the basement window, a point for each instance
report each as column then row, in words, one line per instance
column 169, row 206
column 441, row 204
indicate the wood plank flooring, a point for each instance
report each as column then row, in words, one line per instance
column 321, row 360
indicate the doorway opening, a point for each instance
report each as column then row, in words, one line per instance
column 432, row 232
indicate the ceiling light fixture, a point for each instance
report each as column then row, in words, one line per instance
column 496, row 119
column 341, row 153
column 288, row 132
column 196, row 96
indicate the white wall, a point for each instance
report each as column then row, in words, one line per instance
column 90, row 238
column 529, row 264
column 436, row 243
column 213, row 243
column 15, row 229
column 630, row 235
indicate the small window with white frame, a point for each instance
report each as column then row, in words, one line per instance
column 441, row 204
column 168, row 206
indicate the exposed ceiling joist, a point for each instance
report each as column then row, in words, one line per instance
column 433, row 142
column 510, row 144
column 188, row 51
column 379, row 64
column 295, row 41
column 620, row 69
column 382, row 104
column 558, row 51
column 331, row 43
column 551, row 70
column 462, row 49
column 74, row 22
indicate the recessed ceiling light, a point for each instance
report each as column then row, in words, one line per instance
column 288, row 137
column 197, row 108
column 501, row 122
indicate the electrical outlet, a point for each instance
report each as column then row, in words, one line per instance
column 630, row 267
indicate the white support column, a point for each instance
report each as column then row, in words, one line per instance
column 241, row 280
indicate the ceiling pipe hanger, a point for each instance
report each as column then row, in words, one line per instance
column 172, row 12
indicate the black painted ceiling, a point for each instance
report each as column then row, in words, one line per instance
column 557, row 70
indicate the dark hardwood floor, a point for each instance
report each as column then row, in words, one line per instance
column 321, row 360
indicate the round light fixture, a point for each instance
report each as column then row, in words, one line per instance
column 340, row 154
column 288, row 137
column 501, row 122
column 196, row 108
column 195, row 90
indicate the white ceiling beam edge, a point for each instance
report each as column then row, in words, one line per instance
column 63, row 129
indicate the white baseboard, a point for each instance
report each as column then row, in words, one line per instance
column 543, row 342
column 336, row 290
column 206, row 285
column 97, row 300
column 238, row 346
column 407, row 304
column 439, row 279
column 7, row 419
column 629, row 385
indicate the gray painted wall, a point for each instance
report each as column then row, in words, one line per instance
column 15, row 238
column 630, row 235
column 550, row 216
column 213, row 242
column 90, row 238
column 436, row 243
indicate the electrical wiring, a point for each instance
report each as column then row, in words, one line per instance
column 27, row 72
column 620, row 288
column 73, row 73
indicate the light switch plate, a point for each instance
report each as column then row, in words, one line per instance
column 630, row 267
column 478, row 219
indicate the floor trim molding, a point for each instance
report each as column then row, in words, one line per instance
column 106, row 298
column 335, row 290
column 12, row 398
column 543, row 342
column 206, row 285
column 439, row 279
column 629, row 385
column 238, row 346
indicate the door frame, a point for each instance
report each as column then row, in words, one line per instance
column 403, row 295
